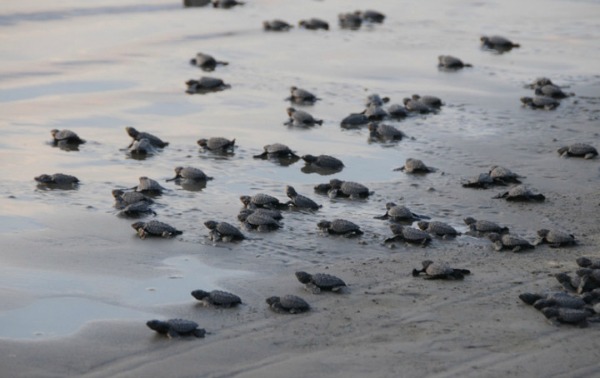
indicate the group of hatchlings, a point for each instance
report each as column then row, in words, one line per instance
column 262, row 212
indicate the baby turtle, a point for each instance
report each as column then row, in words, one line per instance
column 503, row 176
column 520, row 193
column 556, row 238
column 508, row 241
column 384, row 132
column 324, row 161
column 261, row 200
column 205, row 84
column 399, row 213
column 320, row 282
column 175, row 328
column 314, row 24
column 449, row 62
column 371, row 16
column 484, row 226
column 416, row 106
column 301, row 118
column 137, row 135
column 349, row 189
column 217, row 144
column 408, row 234
column 155, row 228
column 141, row 148
column 57, row 180
column 276, row 150
column 583, row 150
column 540, row 102
column 300, row 201
column 65, row 137
column 440, row 270
column 415, row 166
column 354, row 120
column 550, row 90
column 301, row 96
column 276, row 25
column 123, row 198
column 190, row 173
column 223, row 231
column 258, row 220
column 567, row 315
column 217, row 298
column 481, row 181
column 271, row 213
column 136, row 209
column 500, row 44
column 586, row 262
column 539, row 82
column 225, row 4
column 195, row 3
column 375, row 113
column 397, row 111
column 438, row 228
column 206, row 62
column 376, row 100
column 350, row 21
column 340, row 227
column 431, row 101
column 288, row 304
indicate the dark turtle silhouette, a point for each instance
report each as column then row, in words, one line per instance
column 320, row 282
column 258, row 220
column 66, row 138
column 137, row 209
column 223, row 231
column 271, row 213
column 226, row 3
column 301, row 96
column 141, row 148
column 301, row 118
column 498, row 43
column 175, row 328
column 440, row 270
column 190, row 174
column 586, row 262
column 376, row 100
column 276, row 25
column 484, row 226
column 371, row 16
column 138, row 135
column 205, row 84
column 556, row 238
column 155, row 228
column 414, row 166
column 399, row 213
column 520, row 193
column 261, row 200
column 503, row 176
column 481, row 181
column 348, row 189
column 123, row 198
column 384, row 132
column 566, row 315
column 288, row 304
column 324, row 162
column 397, row 111
column 416, row 106
column 438, row 228
column 570, row 283
column 449, row 62
column 57, row 181
column 540, row 102
column 539, row 82
column 408, row 234
column 551, row 90
column 195, row 3
column 340, row 227
column 314, row 24
column 217, row 298
column 217, row 144
column 350, row 21
column 558, row 299
column 508, row 241
column 354, row 120
column 300, row 201
column 206, row 62
column 277, row 150
column 430, row 101
column 583, row 150
column 375, row 113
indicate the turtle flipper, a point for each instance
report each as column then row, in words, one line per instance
column 173, row 334
column 199, row 332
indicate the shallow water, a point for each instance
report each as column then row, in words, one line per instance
column 97, row 68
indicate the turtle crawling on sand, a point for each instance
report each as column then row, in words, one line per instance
column 299, row 201
column 555, row 238
column 340, row 227
column 314, row 24
column 223, row 231
column 276, row 25
column 414, row 166
column 484, row 226
column 350, row 21
column 217, row 298
column 141, row 148
column 408, row 234
column 502, row 175
column 498, row 43
column 448, row 62
column 325, row 162
column 440, row 270
column 206, row 62
column 288, row 304
column 66, row 138
column 190, row 174
column 205, row 84
column 258, row 220
column 301, row 118
column 583, row 150
column 371, row 16
column 586, row 262
column 540, row 102
column 276, row 151
column 578, row 317
column 508, row 241
column 136, row 210
column 123, row 198
column 481, row 181
column 522, row 194
column 260, row 200
column 416, row 106
column 399, row 213
column 217, row 144
column 155, row 228
column 347, row 189
column 57, row 180
column 175, row 328
column 384, row 132
column 320, row 282
column 301, row 96
column 226, row 4
column 438, row 228
column 139, row 135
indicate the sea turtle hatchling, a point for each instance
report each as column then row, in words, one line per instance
column 140, row 148
column 481, row 181
column 314, row 24
column 540, row 102
column 65, row 137
column 205, row 84
column 175, row 328
column 123, row 198
column 288, row 304
column 299, row 201
column 350, row 21
column 324, row 162
column 320, row 282
column 340, row 227
column 431, row 101
column 57, row 181
column 399, row 213
column 498, row 43
column 155, row 228
column 371, row 16
column 271, row 213
column 502, row 175
column 276, row 25
column 587, row 262
column 301, row 118
column 384, row 132
column 520, row 193
column 276, row 150
column 354, row 120
column 551, row 90
column 375, row 113
column 416, row 106
column 217, row 144
column 509, row 241
column 217, row 298
column 484, row 226
column 190, row 174
column 136, row 209
column 414, row 166
column 226, row 4
column 438, row 228
column 149, row 186
column 138, row 135
column 408, row 234
column 440, row 270
column 301, row 96
column 583, row 150
column 567, row 315
column 261, row 200
column 376, row 100
column 397, row 111
column 206, row 62
column 258, row 220
column 555, row 238
column 449, row 62
column 223, row 231
column 347, row 189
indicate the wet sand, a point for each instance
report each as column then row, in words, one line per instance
column 77, row 285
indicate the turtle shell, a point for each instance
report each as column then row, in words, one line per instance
column 437, row 228
column 314, row 24
column 323, row 161
column 288, row 303
column 579, row 150
column 66, row 136
column 484, row 226
column 154, row 140
column 340, row 226
column 216, row 143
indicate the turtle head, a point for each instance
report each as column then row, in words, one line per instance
column 526, row 100
column 293, row 88
column 303, row 277
column 423, row 225
column 562, row 150
column 290, row 111
column 322, row 188
column 426, row 263
column 137, row 225
column 53, row 132
column 372, row 126
column 494, row 236
column 324, row 224
column 200, row 294
column 202, row 142
column 158, row 326
column 246, row 200
column 469, row 221
column 550, row 312
column 529, row 298
column 43, row 178
column 290, row 191
column 309, row 158
column 211, row 225
column 389, row 205
column 416, row 97
column 132, row 131
column 484, row 39
column 543, row 233
column 396, row 228
column 272, row 300
column 583, row 262
column 406, row 100
column 117, row 193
